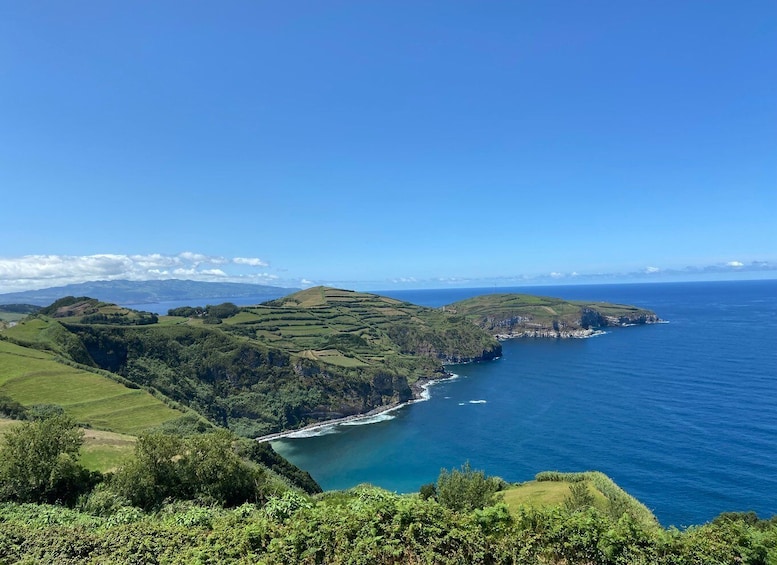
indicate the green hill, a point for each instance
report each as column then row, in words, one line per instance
column 523, row 315
column 315, row 355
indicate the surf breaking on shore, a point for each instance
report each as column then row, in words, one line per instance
column 421, row 393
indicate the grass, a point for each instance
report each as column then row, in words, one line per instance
column 538, row 494
column 11, row 316
column 551, row 488
column 30, row 377
column 102, row 451
column 106, row 451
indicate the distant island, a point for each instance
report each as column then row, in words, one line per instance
column 148, row 292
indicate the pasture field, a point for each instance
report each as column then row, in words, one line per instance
column 31, row 377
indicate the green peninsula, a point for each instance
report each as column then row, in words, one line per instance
column 315, row 355
column 523, row 315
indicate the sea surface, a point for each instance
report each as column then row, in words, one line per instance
column 683, row 414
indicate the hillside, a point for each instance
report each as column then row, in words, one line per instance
column 315, row 355
column 523, row 315
column 34, row 376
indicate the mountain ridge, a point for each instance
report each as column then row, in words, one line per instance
column 123, row 291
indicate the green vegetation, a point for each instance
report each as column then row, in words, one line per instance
column 41, row 461
column 367, row 525
column 541, row 316
column 15, row 312
column 182, row 492
column 105, row 451
column 315, row 355
column 30, row 376
column 466, row 490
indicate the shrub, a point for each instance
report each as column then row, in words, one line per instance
column 465, row 490
column 39, row 462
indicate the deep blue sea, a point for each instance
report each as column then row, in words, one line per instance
column 683, row 415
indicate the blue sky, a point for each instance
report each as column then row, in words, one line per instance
column 374, row 144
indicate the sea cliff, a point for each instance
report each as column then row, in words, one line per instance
column 508, row 316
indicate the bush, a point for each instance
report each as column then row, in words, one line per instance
column 465, row 490
column 9, row 408
column 39, row 462
column 428, row 491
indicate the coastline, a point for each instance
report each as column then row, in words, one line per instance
column 421, row 393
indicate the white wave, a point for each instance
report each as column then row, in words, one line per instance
column 313, row 432
column 478, row 401
column 597, row 333
column 382, row 417
column 462, row 403
column 426, row 393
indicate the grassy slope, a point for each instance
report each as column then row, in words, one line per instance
column 537, row 494
column 32, row 376
column 551, row 488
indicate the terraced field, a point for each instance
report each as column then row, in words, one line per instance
column 352, row 329
column 32, row 376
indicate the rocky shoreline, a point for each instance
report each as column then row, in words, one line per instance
column 550, row 333
column 420, row 390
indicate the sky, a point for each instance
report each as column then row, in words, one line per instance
column 387, row 144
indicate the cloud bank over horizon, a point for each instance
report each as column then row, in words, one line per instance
column 33, row 272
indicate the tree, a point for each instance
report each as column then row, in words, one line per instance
column 153, row 474
column 466, row 490
column 39, row 461
column 214, row 473
column 579, row 498
column 202, row 467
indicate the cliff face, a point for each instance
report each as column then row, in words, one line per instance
column 515, row 315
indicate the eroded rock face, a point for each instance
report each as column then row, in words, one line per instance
column 512, row 316
column 549, row 333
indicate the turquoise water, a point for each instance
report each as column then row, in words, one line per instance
column 683, row 415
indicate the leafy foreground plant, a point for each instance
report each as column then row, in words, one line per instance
column 364, row 525
column 368, row 525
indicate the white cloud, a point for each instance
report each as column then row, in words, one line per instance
column 556, row 275
column 41, row 271
column 735, row 264
column 251, row 261
column 651, row 270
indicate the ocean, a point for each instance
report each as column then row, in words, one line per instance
column 683, row 414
